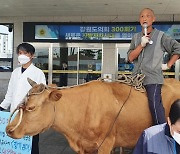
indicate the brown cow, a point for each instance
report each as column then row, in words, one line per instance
column 86, row 114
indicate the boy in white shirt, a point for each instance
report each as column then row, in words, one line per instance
column 18, row 85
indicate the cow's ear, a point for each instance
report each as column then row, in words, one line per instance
column 55, row 95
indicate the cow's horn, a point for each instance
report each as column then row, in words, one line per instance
column 31, row 82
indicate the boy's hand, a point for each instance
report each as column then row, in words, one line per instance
column 165, row 67
column 144, row 41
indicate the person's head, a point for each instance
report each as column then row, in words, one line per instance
column 147, row 16
column 25, row 53
column 174, row 120
column 64, row 65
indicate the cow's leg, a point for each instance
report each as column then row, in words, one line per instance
column 107, row 145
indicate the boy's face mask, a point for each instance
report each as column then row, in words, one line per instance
column 23, row 59
column 176, row 137
column 174, row 128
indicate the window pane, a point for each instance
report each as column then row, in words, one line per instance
column 123, row 64
column 90, row 61
column 6, row 47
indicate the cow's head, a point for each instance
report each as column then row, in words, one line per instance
column 36, row 112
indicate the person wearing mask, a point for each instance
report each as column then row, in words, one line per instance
column 163, row 138
column 146, row 52
column 18, row 85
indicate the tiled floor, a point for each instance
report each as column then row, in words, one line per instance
column 52, row 142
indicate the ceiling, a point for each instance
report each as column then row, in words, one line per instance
column 86, row 7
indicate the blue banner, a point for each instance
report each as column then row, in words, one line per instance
column 9, row 145
column 98, row 32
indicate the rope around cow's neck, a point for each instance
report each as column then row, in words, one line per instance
column 21, row 106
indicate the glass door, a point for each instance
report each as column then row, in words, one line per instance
column 41, row 59
column 67, row 64
column 173, row 71
column 90, row 63
column 76, row 63
column 124, row 67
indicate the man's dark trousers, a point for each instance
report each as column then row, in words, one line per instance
column 155, row 103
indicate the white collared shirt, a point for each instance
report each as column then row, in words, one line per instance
column 18, row 85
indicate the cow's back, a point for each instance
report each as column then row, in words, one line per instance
column 135, row 115
column 87, row 112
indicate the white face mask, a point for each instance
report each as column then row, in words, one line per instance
column 23, row 59
column 176, row 137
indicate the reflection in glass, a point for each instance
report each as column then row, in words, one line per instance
column 65, row 62
column 124, row 67
column 123, row 64
column 6, row 47
column 41, row 58
column 90, row 60
column 167, row 73
column 5, row 64
column 70, row 65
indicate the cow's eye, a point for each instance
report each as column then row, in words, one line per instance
column 30, row 109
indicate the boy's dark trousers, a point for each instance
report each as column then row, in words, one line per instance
column 35, row 144
column 155, row 103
